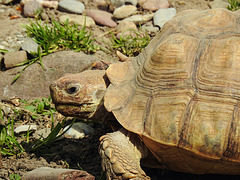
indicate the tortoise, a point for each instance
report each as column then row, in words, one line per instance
column 177, row 104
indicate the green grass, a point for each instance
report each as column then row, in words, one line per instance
column 55, row 37
column 131, row 42
column 9, row 142
column 14, row 177
column 39, row 107
column 234, row 5
column 53, row 136
column 59, row 36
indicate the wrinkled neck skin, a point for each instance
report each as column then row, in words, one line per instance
column 101, row 114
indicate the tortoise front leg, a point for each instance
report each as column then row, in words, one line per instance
column 121, row 152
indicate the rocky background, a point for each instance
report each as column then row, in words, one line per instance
column 102, row 17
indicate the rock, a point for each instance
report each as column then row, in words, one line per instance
column 124, row 11
column 77, row 19
column 30, row 45
column 42, row 133
column 49, row 4
column 139, row 19
column 25, row 128
column 181, row 2
column 11, row 59
column 219, row 4
column 5, row 43
column 44, row 3
column 101, row 17
column 46, row 173
column 162, row 16
column 100, row 65
column 34, row 81
column 5, row 1
column 154, row 5
column 115, row 4
column 125, row 25
column 6, row 110
column 79, row 130
column 132, row 2
column 31, row 8
column 71, row 6
column 150, row 29
column 101, row 4
column 128, row 33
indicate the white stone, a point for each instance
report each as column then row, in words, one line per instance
column 79, row 130
column 25, row 128
column 163, row 15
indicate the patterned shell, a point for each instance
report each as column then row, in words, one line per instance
column 181, row 94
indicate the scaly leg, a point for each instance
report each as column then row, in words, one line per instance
column 121, row 152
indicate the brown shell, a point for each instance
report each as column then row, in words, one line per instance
column 181, row 95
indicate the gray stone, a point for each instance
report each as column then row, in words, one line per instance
column 71, row 6
column 163, row 15
column 79, row 130
column 42, row 133
column 29, row 45
column 34, row 81
column 149, row 28
column 124, row 11
column 11, row 59
column 115, row 4
column 77, row 19
column 25, row 128
column 31, row 8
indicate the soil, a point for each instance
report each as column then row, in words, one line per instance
column 69, row 152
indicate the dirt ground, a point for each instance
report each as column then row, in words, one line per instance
column 78, row 153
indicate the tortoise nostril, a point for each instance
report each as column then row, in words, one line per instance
column 72, row 89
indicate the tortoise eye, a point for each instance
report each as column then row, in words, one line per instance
column 72, row 89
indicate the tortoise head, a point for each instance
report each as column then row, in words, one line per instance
column 79, row 95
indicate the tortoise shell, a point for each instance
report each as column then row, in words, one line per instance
column 181, row 94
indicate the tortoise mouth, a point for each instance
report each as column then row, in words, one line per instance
column 76, row 110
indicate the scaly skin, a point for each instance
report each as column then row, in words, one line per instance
column 121, row 153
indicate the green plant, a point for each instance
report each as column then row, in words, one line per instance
column 14, row 177
column 53, row 136
column 9, row 144
column 39, row 107
column 131, row 42
column 3, row 134
column 57, row 36
column 234, row 5
column 61, row 36
column 3, row 51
